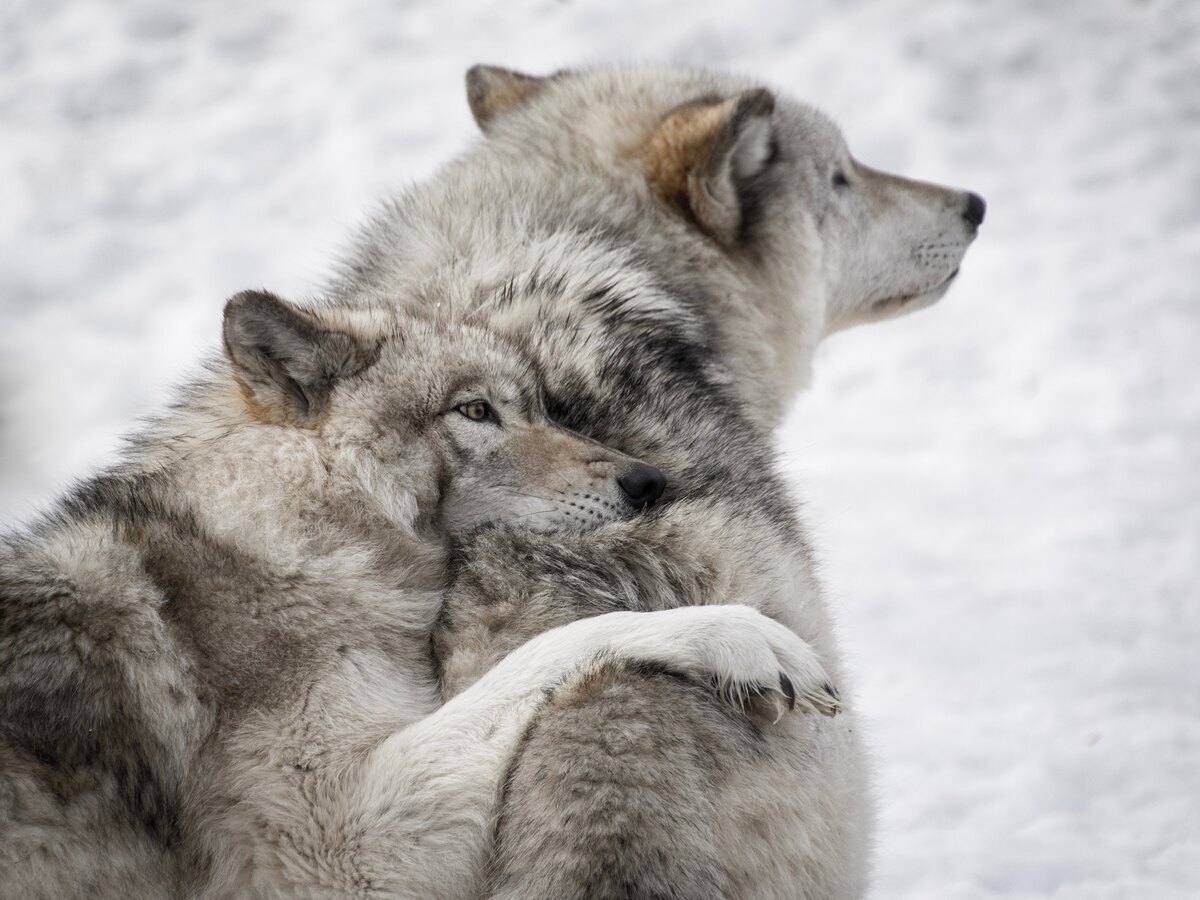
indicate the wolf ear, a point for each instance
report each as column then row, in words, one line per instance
column 702, row 155
column 284, row 360
column 492, row 91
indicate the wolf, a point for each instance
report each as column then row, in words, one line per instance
column 214, row 657
column 670, row 246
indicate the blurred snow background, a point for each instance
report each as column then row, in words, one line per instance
column 1005, row 488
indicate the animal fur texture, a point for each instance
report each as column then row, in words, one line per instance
column 216, row 676
column 670, row 246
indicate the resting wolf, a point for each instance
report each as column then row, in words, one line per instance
column 214, row 671
column 670, row 247
column 214, row 666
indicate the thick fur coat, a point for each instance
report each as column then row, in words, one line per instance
column 315, row 639
column 670, row 247
column 215, row 676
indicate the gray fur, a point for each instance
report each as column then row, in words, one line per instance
column 679, row 333
column 216, row 675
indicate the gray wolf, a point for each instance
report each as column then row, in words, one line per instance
column 670, row 246
column 214, row 668
column 262, row 658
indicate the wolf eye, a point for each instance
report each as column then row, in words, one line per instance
column 840, row 180
column 478, row 411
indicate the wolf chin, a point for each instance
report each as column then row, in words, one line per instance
column 342, row 626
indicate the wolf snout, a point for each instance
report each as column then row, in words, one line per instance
column 976, row 208
column 642, row 485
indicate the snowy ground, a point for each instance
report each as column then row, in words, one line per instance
column 1006, row 488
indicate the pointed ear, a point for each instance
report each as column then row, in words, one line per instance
column 492, row 91
column 285, row 361
column 703, row 154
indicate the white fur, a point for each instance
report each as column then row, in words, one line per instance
column 411, row 817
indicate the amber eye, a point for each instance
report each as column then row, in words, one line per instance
column 478, row 411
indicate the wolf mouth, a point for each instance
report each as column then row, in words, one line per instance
column 904, row 299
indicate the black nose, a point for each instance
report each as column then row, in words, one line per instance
column 976, row 207
column 643, row 484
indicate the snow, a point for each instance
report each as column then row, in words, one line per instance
column 1005, row 488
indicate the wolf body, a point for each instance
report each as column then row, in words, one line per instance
column 215, row 668
column 214, row 659
column 670, row 247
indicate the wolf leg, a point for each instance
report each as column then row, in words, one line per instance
column 512, row 584
column 686, row 800
column 612, row 794
column 635, row 785
column 414, row 817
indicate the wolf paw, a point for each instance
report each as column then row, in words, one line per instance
column 752, row 662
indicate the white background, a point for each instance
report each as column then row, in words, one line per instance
column 1005, row 488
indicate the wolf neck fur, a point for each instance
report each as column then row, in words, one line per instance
column 419, row 253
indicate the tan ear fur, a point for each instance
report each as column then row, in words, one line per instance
column 492, row 91
column 701, row 149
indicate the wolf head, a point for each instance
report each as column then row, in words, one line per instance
column 435, row 424
column 765, row 182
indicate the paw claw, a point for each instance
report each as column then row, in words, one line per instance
column 788, row 689
column 828, row 702
column 752, row 662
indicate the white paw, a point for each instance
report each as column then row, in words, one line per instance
column 751, row 660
